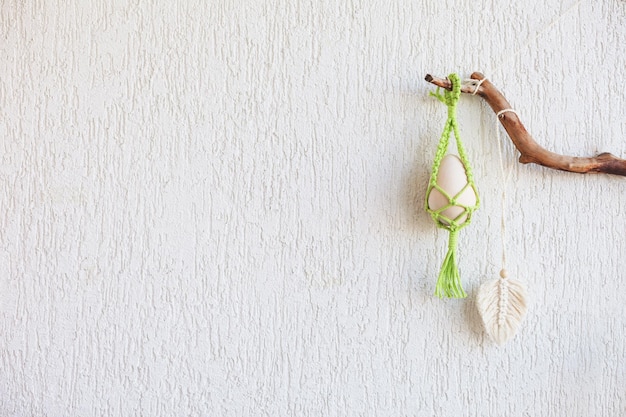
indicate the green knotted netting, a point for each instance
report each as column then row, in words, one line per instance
column 449, row 280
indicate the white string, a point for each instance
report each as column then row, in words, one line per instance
column 474, row 84
column 477, row 86
column 505, row 183
column 535, row 37
column 505, row 176
column 501, row 112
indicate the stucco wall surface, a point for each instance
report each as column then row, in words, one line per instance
column 215, row 209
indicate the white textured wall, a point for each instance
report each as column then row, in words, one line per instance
column 215, row 209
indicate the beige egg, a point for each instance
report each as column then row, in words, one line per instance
column 452, row 178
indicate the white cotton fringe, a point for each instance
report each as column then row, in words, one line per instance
column 502, row 306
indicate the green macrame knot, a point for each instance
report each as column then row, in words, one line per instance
column 449, row 280
column 450, row 97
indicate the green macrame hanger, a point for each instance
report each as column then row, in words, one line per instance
column 449, row 280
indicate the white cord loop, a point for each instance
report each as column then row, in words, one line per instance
column 501, row 112
column 475, row 84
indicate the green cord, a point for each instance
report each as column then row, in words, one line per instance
column 449, row 280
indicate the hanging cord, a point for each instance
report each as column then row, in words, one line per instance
column 504, row 60
column 505, row 175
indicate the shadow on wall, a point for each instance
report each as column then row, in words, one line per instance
column 419, row 223
column 417, row 183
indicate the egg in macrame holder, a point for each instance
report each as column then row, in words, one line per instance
column 451, row 197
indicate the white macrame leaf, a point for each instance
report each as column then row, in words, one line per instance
column 502, row 306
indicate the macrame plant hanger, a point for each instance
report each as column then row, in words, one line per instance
column 449, row 280
column 501, row 302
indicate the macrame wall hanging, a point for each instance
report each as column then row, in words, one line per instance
column 451, row 198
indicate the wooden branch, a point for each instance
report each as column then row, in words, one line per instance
column 531, row 151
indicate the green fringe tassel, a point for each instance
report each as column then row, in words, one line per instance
column 449, row 281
